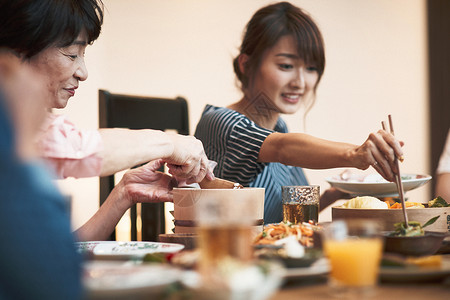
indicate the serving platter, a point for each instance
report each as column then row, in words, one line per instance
column 375, row 185
column 125, row 250
column 413, row 274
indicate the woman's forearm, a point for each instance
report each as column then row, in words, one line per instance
column 124, row 148
column 140, row 185
column 100, row 226
column 302, row 150
column 297, row 149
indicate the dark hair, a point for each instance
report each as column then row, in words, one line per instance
column 268, row 25
column 31, row 26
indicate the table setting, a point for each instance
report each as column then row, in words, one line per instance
column 378, row 245
column 285, row 261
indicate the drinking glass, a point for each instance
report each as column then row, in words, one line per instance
column 300, row 203
column 354, row 249
column 224, row 235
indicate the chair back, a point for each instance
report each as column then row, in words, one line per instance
column 140, row 112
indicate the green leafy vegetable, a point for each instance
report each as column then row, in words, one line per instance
column 438, row 202
column 414, row 228
column 155, row 257
column 430, row 221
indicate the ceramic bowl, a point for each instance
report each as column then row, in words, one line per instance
column 427, row 244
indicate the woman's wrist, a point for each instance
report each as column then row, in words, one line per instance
column 350, row 157
column 120, row 198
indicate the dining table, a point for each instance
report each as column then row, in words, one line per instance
column 318, row 290
column 425, row 285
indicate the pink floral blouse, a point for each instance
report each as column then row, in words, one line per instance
column 69, row 151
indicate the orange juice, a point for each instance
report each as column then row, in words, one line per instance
column 354, row 262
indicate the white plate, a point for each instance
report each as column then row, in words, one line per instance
column 399, row 274
column 126, row 249
column 250, row 282
column 122, row 280
column 320, row 267
column 377, row 186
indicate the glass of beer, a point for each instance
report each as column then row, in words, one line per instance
column 354, row 249
column 224, row 236
column 300, row 203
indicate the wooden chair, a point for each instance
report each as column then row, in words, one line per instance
column 139, row 112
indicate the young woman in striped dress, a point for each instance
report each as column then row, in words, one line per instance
column 280, row 65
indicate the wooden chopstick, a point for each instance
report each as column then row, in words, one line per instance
column 398, row 177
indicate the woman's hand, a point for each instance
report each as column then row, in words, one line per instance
column 146, row 184
column 188, row 161
column 143, row 184
column 379, row 151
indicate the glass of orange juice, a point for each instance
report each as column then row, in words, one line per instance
column 354, row 249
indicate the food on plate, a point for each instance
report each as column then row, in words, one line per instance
column 187, row 259
column 408, row 204
column 158, row 257
column 365, row 202
column 290, row 243
column 396, row 260
column 431, row 261
column 438, row 202
column 275, row 232
column 414, row 228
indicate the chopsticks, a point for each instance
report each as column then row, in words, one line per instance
column 398, row 177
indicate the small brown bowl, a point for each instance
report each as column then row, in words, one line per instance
column 189, row 240
column 427, row 244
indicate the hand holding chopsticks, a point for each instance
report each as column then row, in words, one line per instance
column 380, row 151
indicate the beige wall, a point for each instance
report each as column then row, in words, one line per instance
column 376, row 65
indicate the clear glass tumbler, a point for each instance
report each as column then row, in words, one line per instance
column 300, row 203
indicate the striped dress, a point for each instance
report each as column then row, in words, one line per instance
column 233, row 141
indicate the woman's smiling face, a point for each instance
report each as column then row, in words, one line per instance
column 284, row 78
column 64, row 68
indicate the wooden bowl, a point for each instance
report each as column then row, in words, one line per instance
column 189, row 240
column 186, row 201
column 427, row 244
